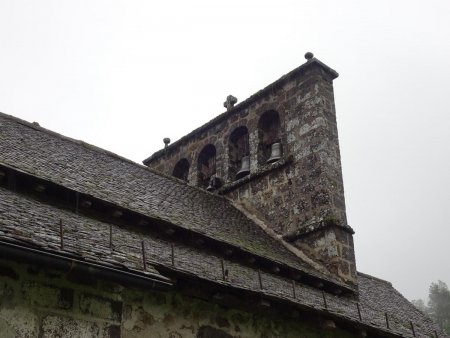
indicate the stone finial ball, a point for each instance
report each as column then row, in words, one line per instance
column 309, row 56
column 166, row 140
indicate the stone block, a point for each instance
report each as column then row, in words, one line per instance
column 260, row 184
column 7, row 271
column 99, row 307
column 47, row 296
column 306, row 190
column 6, row 330
column 6, row 293
column 63, row 327
column 112, row 331
column 18, row 322
column 208, row 331
column 344, row 268
column 348, row 253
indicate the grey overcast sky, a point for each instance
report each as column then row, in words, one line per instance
column 124, row 74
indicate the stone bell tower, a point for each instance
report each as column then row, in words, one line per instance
column 276, row 155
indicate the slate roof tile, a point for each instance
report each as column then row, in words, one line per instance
column 35, row 223
column 106, row 176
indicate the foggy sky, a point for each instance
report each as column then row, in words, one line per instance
column 124, row 74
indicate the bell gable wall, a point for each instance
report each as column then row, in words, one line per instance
column 298, row 193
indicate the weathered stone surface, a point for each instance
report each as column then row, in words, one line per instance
column 216, row 294
column 115, row 180
column 142, row 313
column 309, row 189
column 47, row 296
column 111, row 311
column 100, row 307
column 6, row 330
column 19, row 320
column 208, row 331
column 66, row 327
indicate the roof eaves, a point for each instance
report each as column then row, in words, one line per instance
column 148, row 213
column 27, row 253
column 309, row 269
column 89, row 146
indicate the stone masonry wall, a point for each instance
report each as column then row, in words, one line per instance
column 306, row 188
column 333, row 247
column 37, row 302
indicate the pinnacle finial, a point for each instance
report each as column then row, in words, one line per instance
column 309, row 56
column 230, row 102
column 166, row 141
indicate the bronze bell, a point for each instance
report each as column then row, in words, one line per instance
column 210, row 187
column 275, row 153
column 214, row 183
column 245, row 167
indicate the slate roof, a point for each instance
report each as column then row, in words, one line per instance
column 30, row 222
column 379, row 294
column 109, row 177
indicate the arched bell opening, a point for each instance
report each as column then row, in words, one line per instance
column 269, row 146
column 239, row 153
column 206, row 165
column 181, row 170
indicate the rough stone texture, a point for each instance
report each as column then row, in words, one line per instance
column 305, row 105
column 289, row 198
column 98, row 173
column 26, row 221
column 332, row 246
column 142, row 313
column 208, row 292
column 146, row 313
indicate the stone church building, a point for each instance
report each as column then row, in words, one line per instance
column 236, row 230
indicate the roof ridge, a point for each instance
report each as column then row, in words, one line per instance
column 37, row 127
column 359, row 273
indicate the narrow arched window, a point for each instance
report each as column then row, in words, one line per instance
column 206, row 165
column 181, row 169
column 269, row 146
column 238, row 148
